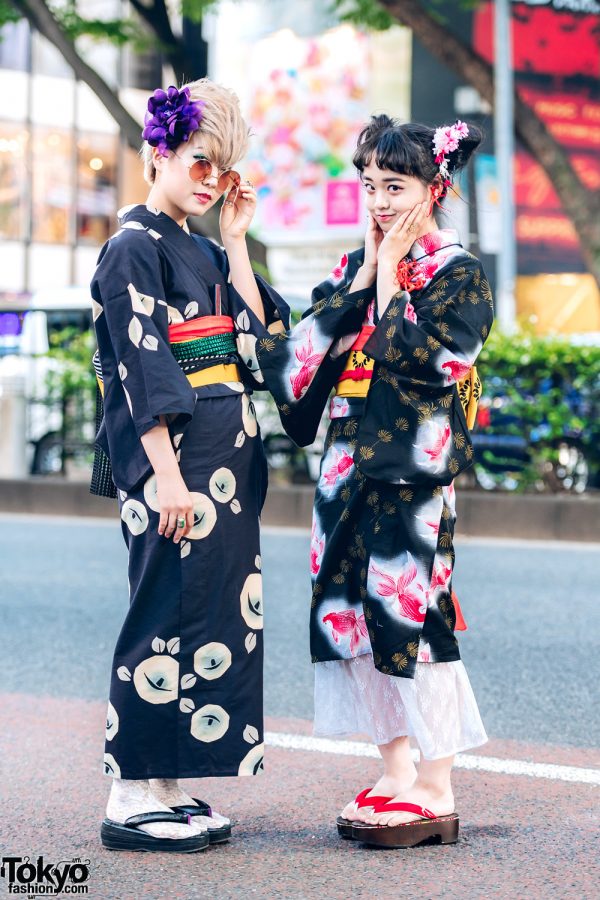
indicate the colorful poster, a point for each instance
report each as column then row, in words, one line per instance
column 308, row 103
column 342, row 202
column 557, row 62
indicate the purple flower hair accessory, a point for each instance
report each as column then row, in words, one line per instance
column 445, row 141
column 171, row 118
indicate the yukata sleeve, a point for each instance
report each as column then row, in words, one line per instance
column 129, row 292
column 302, row 365
column 438, row 346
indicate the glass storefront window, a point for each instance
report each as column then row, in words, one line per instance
column 96, row 187
column 47, row 60
column 133, row 188
column 51, row 178
column 13, row 181
column 14, row 46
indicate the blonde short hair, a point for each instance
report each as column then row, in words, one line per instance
column 222, row 128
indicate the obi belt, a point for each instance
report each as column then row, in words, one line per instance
column 358, row 372
column 204, row 347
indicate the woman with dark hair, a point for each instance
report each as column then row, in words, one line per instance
column 395, row 331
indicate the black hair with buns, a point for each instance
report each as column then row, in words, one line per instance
column 408, row 149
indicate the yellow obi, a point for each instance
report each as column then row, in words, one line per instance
column 469, row 392
column 356, row 377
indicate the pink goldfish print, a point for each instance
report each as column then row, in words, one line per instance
column 340, row 269
column 434, row 526
column 424, row 653
column 412, row 605
column 309, row 362
column 456, row 369
column 342, row 463
column 409, row 313
column 440, row 577
column 317, row 545
column 346, row 623
column 338, row 408
column 443, row 436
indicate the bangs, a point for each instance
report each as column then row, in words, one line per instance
column 216, row 150
column 389, row 151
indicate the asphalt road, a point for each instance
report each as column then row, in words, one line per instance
column 533, row 657
column 532, row 648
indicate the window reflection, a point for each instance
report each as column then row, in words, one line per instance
column 96, row 187
column 51, row 184
column 13, row 181
column 14, row 46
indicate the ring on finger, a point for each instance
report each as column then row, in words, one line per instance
column 181, row 521
column 412, row 228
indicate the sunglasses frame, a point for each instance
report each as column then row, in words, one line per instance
column 228, row 179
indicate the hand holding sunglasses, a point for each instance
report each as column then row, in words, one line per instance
column 237, row 211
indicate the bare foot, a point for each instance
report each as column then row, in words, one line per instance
column 440, row 803
column 130, row 798
column 168, row 791
column 385, row 787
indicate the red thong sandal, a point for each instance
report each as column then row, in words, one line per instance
column 443, row 828
column 344, row 826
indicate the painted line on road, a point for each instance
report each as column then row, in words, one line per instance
column 463, row 761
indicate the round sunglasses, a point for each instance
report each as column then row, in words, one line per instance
column 227, row 180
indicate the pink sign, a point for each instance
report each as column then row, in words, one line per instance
column 342, row 203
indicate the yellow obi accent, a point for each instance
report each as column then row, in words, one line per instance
column 356, row 377
column 469, row 392
column 214, row 375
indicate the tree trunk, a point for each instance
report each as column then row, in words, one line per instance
column 579, row 203
column 185, row 64
column 39, row 17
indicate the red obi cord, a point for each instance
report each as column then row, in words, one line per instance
column 360, row 374
column 201, row 326
column 409, row 275
column 365, row 333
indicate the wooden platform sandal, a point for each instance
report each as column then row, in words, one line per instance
column 438, row 829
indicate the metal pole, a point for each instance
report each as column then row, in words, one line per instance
column 504, row 140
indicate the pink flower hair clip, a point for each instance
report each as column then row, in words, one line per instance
column 445, row 140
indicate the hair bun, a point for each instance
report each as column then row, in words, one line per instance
column 467, row 146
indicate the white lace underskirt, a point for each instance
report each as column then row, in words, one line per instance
column 437, row 707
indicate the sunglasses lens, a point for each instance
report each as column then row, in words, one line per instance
column 229, row 180
column 200, row 169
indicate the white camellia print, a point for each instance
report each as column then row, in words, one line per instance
column 209, row 723
column 251, row 601
column 135, row 516
column 212, row 660
column 156, row 679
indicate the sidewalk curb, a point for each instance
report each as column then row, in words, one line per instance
column 480, row 514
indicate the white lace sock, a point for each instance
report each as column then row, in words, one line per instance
column 168, row 791
column 130, row 798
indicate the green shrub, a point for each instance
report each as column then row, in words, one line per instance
column 552, row 389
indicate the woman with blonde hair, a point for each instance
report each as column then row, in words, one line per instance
column 176, row 319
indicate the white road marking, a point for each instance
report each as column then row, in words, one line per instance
column 463, row 760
